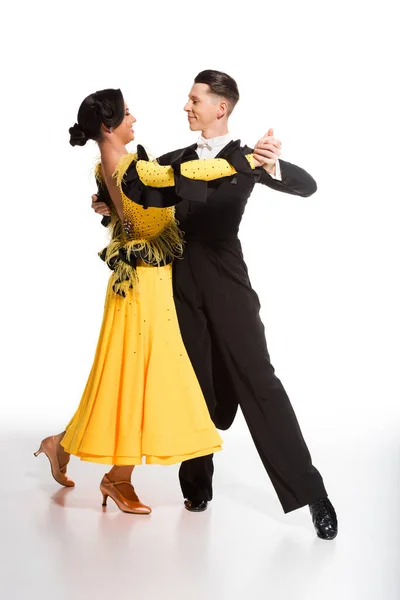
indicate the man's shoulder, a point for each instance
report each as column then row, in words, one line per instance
column 246, row 149
column 169, row 157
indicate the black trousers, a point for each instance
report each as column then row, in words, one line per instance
column 218, row 313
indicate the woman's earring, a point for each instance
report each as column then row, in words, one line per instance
column 110, row 130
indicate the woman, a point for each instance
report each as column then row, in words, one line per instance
column 142, row 397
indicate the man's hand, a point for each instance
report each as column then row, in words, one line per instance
column 267, row 151
column 101, row 208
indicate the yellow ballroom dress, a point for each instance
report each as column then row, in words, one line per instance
column 142, row 400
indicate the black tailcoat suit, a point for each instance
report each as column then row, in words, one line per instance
column 218, row 313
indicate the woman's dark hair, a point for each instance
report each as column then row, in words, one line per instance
column 105, row 106
column 220, row 84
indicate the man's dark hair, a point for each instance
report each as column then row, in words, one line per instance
column 220, row 84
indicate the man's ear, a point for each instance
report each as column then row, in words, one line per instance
column 222, row 109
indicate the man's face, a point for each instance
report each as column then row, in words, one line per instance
column 203, row 109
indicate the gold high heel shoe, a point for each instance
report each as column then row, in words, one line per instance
column 49, row 447
column 135, row 507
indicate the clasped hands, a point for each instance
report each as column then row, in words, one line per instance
column 267, row 151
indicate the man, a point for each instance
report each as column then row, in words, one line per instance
column 218, row 310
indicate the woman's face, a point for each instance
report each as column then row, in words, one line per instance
column 124, row 131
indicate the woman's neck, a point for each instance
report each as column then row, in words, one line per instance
column 111, row 150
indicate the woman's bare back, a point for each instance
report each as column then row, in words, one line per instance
column 108, row 165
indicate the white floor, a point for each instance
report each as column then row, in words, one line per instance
column 60, row 543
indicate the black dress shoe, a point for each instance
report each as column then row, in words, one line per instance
column 324, row 519
column 196, row 505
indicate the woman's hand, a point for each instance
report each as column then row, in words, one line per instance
column 257, row 160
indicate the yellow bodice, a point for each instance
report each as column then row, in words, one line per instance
column 151, row 234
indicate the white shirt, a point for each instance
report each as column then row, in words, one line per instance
column 213, row 146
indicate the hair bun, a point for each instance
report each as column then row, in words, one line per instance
column 78, row 136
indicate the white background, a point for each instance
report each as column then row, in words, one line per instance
column 324, row 75
column 325, row 267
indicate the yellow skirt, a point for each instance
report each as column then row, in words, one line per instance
column 142, row 398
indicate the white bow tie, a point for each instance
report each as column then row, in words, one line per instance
column 202, row 143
